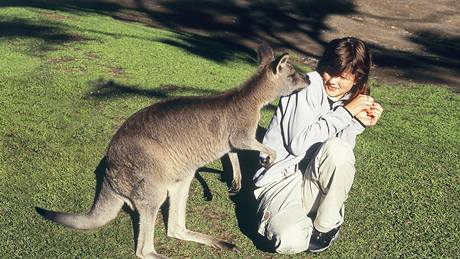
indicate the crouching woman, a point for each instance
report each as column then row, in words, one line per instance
column 301, row 195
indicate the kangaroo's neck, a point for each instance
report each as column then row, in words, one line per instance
column 257, row 91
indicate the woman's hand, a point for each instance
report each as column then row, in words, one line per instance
column 370, row 117
column 360, row 103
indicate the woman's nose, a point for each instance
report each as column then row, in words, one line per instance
column 334, row 80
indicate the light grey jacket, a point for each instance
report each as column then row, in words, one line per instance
column 302, row 122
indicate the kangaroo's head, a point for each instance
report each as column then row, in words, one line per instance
column 282, row 77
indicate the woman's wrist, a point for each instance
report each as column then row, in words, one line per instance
column 360, row 122
column 349, row 112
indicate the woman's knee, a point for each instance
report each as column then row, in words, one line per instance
column 288, row 236
column 338, row 151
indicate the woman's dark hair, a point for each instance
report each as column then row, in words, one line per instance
column 348, row 55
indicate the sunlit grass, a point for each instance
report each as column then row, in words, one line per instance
column 68, row 80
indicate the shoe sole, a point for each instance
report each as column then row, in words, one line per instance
column 324, row 248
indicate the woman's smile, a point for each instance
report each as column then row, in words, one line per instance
column 338, row 86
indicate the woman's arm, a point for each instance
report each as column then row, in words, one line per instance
column 302, row 137
column 305, row 121
column 365, row 118
column 350, row 133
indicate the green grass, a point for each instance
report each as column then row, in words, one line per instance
column 68, row 80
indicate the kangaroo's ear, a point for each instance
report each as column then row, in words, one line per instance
column 265, row 54
column 280, row 63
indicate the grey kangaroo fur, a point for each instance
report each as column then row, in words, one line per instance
column 155, row 153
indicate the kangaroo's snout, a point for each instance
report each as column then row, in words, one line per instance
column 307, row 79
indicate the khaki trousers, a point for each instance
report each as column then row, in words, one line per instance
column 288, row 209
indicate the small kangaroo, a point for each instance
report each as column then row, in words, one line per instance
column 155, row 153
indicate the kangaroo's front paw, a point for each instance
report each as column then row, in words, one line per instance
column 268, row 161
column 235, row 188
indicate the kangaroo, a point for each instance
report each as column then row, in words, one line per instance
column 154, row 155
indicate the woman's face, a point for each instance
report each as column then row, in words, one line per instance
column 338, row 86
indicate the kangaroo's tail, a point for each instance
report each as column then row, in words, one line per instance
column 105, row 208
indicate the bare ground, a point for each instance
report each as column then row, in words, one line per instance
column 413, row 41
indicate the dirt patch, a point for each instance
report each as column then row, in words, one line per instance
column 117, row 71
column 53, row 16
column 91, row 55
column 63, row 59
column 413, row 41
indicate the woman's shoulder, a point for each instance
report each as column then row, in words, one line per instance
column 316, row 89
column 314, row 76
column 312, row 95
column 316, row 81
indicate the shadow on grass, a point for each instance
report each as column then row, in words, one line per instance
column 207, row 194
column 108, row 89
column 51, row 35
column 245, row 203
column 443, row 55
column 238, row 23
column 211, row 48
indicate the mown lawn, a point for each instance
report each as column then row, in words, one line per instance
column 69, row 79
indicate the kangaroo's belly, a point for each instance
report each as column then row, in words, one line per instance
column 132, row 160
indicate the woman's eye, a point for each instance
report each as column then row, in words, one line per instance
column 345, row 78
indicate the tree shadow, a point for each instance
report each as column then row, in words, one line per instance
column 103, row 90
column 51, row 35
column 296, row 25
column 211, row 48
column 439, row 44
column 109, row 89
column 246, row 22
column 442, row 55
column 241, row 24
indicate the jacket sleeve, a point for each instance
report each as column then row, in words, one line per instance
column 350, row 133
column 303, row 125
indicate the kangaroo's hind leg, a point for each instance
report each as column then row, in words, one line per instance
column 178, row 194
column 148, row 207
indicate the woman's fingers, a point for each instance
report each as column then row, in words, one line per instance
column 375, row 112
column 361, row 103
column 366, row 100
column 377, row 107
column 371, row 111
